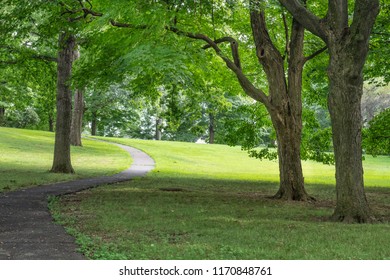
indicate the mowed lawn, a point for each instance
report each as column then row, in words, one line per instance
column 26, row 157
column 213, row 202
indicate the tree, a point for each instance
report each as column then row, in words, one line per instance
column 78, row 113
column 283, row 101
column 62, row 160
column 348, row 46
column 66, row 55
column 77, row 119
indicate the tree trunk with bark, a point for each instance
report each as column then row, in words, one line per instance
column 62, row 159
column 285, row 103
column 94, row 123
column 51, row 123
column 348, row 46
column 344, row 102
column 2, row 115
column 77, row 118
column 158, row 129
column 211, row 128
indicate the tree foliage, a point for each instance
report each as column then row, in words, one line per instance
column 377, row 135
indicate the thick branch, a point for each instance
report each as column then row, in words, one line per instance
column 249, row 88
column 365, row 13
column 221, row 40
column 233, row 46
column 83, row 9
column 310, row 21
column 313, row 55
column 287, row 50
column 337, row 16
column 246, row 84
column 127, row 25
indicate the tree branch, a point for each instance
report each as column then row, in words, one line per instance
column 313, row 55
column 365, row 12
column 127, row 25
column 233, row 46
column 287, row 50
column 337, row 15
column 246, row 84
column 310, row 21
column 83, row 9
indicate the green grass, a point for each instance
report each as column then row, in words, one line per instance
column 26, row 157
column 223, row 211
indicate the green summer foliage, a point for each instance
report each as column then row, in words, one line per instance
column 219, row 207
column 377, row 135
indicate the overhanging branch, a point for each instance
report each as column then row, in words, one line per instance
column 249, row 88
column 313, row 55
column 305, row 17
column 128, row 25
column 83, row 9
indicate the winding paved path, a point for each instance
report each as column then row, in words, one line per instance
column 27, row 231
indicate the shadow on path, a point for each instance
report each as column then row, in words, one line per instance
column 27, row 231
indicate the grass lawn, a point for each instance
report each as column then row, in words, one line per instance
column 26, row 157
column 223, row 210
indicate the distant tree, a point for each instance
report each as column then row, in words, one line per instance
column 375, row 99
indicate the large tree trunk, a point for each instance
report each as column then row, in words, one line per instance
column 344, row 102
column 288, row 123
column 291, row 185
column 62, row 160
column 348, row 48
column 285, row 106
column 77, row 119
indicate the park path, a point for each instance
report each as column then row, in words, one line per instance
column 27, row 231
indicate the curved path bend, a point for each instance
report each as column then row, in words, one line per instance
column 27, row 231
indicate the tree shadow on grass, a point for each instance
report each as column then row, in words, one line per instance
column 241, row 194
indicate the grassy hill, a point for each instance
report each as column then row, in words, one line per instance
column 26, row 157
column 221, row 209
column 224, row 162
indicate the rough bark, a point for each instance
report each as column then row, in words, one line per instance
column 290, row 169
column 348, row 48
column 344, row 102
column 62, row 159
column 285, row 106
column 77, row 119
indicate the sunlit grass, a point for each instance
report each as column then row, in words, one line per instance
column 26, row 157
column 224, row 162
column 221, row 209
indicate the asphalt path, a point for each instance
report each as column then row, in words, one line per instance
column 27, row 230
